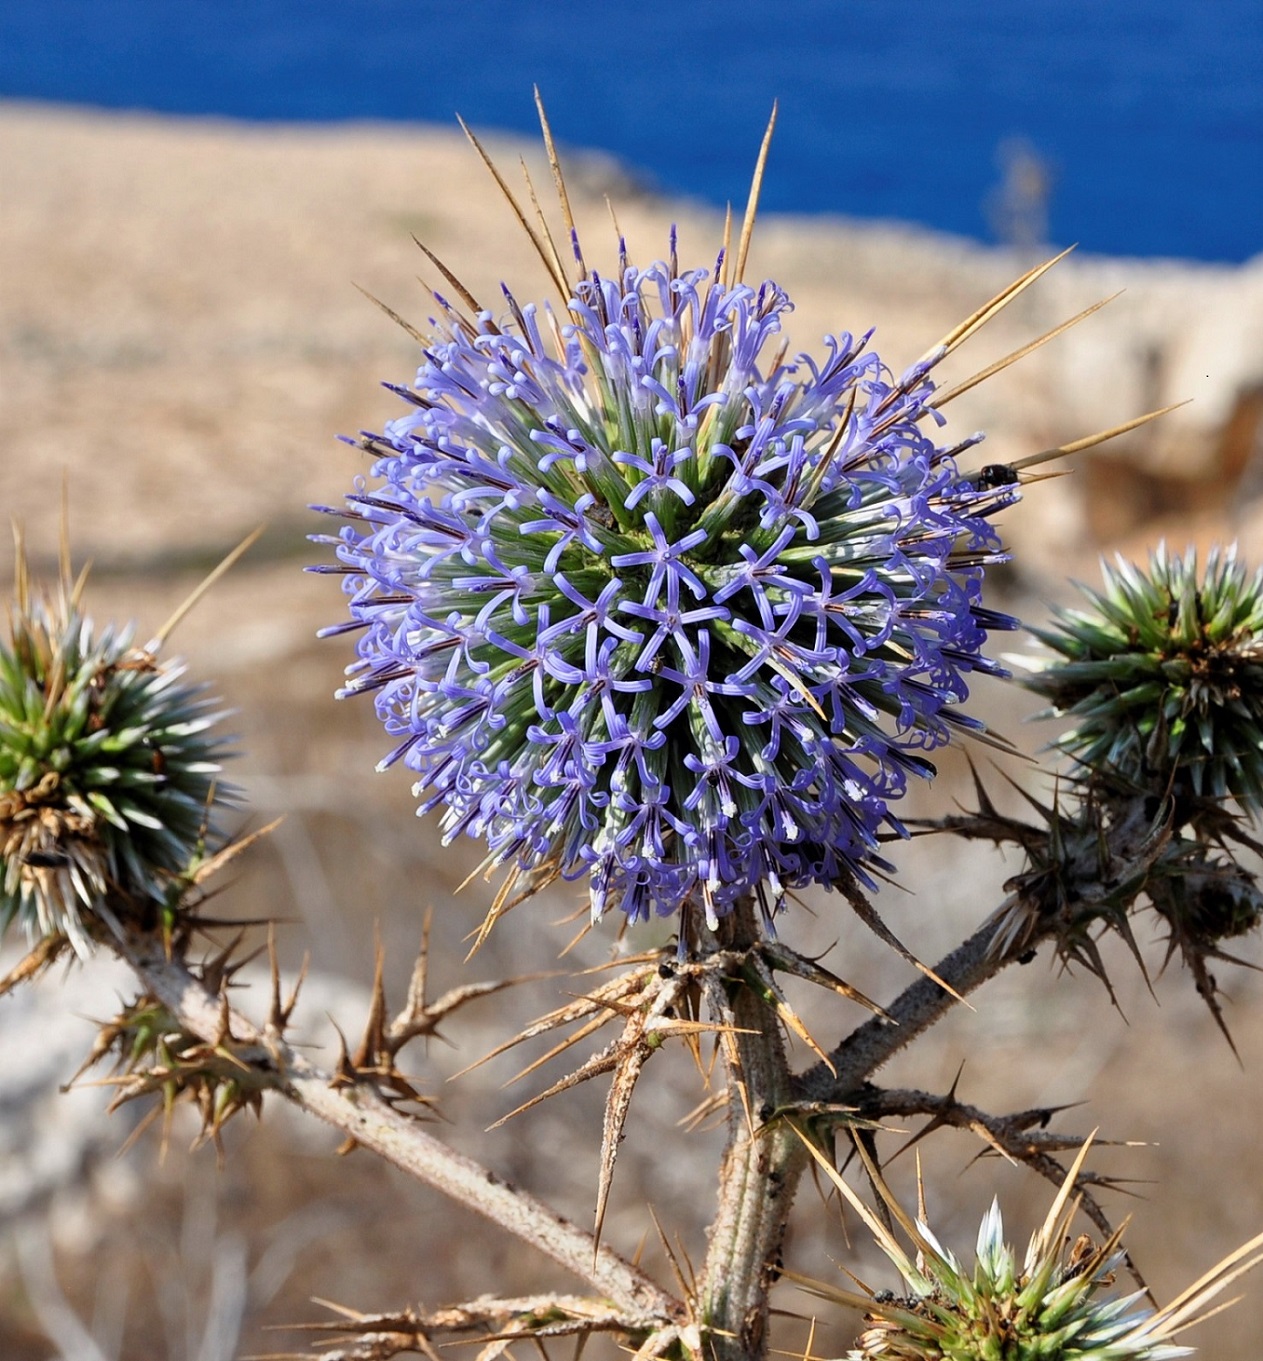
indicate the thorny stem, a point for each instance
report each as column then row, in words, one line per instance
column 361, row 1112
column 761, row 1166
column 1111, row 865
column 921, row 1005
column 765, row 1159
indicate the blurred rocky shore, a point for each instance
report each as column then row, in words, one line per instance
column 180, row 344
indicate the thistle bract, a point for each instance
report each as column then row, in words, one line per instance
column 107, row 769
column 1164, row 675
column 1055, row 1303
column 642, row 601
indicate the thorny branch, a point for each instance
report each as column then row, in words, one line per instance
column 364, row 1114
column 1057, row 899
column 354, row 1336
column 1071, row 885
column 726, row 1309
column 1021, row 1137
column 923, row 1003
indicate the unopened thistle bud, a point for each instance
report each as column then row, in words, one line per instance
column 1163, row 675
column 1057, row 1301
column 107, row 768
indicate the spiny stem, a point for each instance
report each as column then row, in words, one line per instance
column 761, row 1166
column 765, row 1159
column 1126, row 854
column 920, row 1005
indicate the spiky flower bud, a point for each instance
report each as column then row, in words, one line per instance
column 155, row 1056
column 645, row 602
column 107, row 768
column 1056, row 1302
column 1164, row 675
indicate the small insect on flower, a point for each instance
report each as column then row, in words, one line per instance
column 645, row 601
column 108, row 767
column 997, row 475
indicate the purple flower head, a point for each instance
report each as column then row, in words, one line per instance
column 643, row 602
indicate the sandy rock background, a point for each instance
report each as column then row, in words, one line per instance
column 180, row 342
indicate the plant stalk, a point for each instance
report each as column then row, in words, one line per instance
column 921, row 1005
column 761, row 1166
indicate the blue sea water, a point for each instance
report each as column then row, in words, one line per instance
column 1134, row 127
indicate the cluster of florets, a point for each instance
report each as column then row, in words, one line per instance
column 645, row 604
column 1164, row 677
column 108, row 767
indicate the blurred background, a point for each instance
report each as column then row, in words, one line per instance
column 188, row 193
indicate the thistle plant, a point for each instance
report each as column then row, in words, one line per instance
column 651, row 601
column 1163, row 675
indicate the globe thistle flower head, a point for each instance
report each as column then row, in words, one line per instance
column 1164, row 676
column 108, row 768
column 646, row 602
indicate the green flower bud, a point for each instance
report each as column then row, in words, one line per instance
column 1164, row 675
column 1056, row 1301
column 108, row 769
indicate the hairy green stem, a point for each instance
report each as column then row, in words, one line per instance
column 762, row 1163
